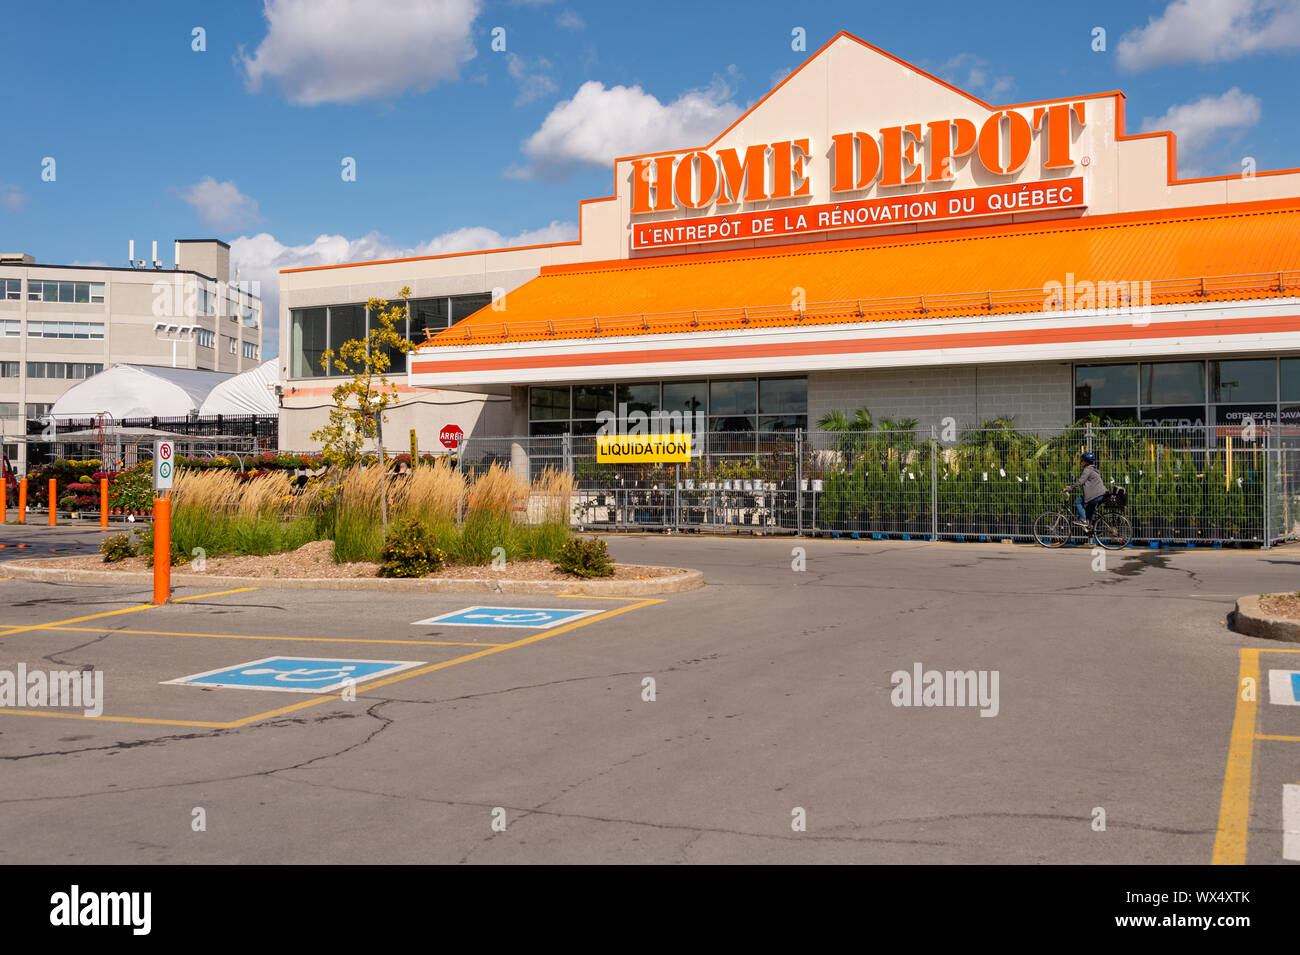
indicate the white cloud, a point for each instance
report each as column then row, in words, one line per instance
column 568, row 20
column 973, row 74
column 1211, row 31
column 345, row 51
column 260, row 257
column 220, row 205
column 533, row 77
column 1207, row 129
column 601, row 123
column 12, row 199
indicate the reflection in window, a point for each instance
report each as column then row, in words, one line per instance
column 732, row 398
column 1249, row 380
column 306, row 342
column 1173, row 383
column 1105, row 385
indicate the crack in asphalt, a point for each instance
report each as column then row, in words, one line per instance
column 525, row 811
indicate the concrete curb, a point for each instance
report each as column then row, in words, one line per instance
column 682, row 579
column 1249, row 619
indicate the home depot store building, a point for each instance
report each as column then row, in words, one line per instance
column 865, row 235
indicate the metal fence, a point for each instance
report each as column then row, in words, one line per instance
column 1185, row 485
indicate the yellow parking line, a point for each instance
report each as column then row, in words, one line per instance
column 1278, row 739
column 1230, row 841
column 449, row 663
column 108, row 613
column 594, row 597
column 258, row 636
column 112, row 719
column 219, row 593
column 489, row 649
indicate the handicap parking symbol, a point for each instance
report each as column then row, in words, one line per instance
column 535, row 617
column 1284, row 687
column 296, row 674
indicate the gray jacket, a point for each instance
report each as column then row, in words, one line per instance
column 1091, row 482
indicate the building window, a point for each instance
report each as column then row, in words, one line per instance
column 62, row 369
column 8, row 409
column 230, row 342
column 36, row 410
column 250, row 316
column 10, row 327
column 745, row 405
column 91, row 293
column 307, row 334
column 8, row 369
column 11, row 289
column 204, row 338
column 82, row 330
column 250, row 350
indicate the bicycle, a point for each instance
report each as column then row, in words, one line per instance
column 1109, row 527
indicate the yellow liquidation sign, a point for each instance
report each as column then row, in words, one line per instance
column 643, row 448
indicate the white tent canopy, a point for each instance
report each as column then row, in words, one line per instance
column 139, row 391
column 250, row 392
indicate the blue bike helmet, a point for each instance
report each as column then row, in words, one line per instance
column 1088, row 457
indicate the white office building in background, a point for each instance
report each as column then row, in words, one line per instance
column 60, row 324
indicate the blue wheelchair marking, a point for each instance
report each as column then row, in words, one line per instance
column 530, row 617
column 296, row 674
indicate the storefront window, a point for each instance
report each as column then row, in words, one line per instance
column 347, row 323
column 430, row 313
column 1174, row 416
column 787, row 396
column 396, row 357
column 307, row 342
column 687, row 397
column 548, row 404
column 1241, row 381
column 1173, row 383
column 643, row 397
column 463, row 306
column 1289, row 376
column 591, row 400
column 1105, row 385
column 732, row 398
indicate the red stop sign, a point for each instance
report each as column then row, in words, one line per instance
column 451, row 436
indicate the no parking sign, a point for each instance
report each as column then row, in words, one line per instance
column 164, row 465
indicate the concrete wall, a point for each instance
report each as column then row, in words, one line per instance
column 1040, row 395
column 427, row 411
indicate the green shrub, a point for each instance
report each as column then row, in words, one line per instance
column 585, row 557
column 118, row 547
column 145, row 549
column 409, row 550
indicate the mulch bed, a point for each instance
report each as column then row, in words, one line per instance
column 316, row 561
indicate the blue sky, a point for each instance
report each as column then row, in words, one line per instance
column 245, row 140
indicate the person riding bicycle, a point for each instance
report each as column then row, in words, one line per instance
column 1091, row 487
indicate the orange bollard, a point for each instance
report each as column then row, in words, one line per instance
column 162, row 550
column 54, row 500
column 4, row 509
column 22, row 501
column 103, row 503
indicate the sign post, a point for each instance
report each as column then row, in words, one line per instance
column 164, row 475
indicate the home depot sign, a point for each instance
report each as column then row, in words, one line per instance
column 913, row 154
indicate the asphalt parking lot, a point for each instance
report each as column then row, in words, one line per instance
column 774, row 695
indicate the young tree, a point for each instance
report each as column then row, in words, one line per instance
column 359, row 402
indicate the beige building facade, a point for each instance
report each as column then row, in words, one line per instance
column 865, row 235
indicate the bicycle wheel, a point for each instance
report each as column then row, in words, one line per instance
column 1052, row 529
column 1113, row 531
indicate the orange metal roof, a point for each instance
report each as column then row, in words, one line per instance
column 1220, row 253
